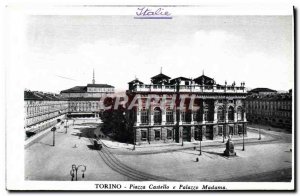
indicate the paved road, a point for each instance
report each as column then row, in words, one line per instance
column 45, row 162
column 270, row 138
column 281, row 175
column 116, row 165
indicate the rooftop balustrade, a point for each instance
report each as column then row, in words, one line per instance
column 189, row 88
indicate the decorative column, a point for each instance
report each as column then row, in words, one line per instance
column 138, row 116
column 226, row 111
column 192, row 133
column 163, row 119
column 203, row 113
column 151, row 116
column 203, row 130
column 235, row 114
column 244, row 111
column 174, row 116
column 192, row 115
column 215, row 112
column 180, row 117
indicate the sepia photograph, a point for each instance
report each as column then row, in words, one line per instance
column 150, row 98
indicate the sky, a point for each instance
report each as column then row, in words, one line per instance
column 62, row 51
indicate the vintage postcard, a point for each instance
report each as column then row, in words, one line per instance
column 143, row 97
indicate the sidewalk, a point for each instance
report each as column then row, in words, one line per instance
column 59, row 128
column 46, row 162
column 31, row 140
column 170, row 147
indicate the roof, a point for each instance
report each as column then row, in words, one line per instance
column 181, row 78
column 100, row 85
column 257, row 90
column 270, row 97
column 135, row 81
column 75, row 89
column 83, row 99
column 38, row 95
column 204, row 79
column 160, row 76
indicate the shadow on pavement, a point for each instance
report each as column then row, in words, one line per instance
column 44, row 143
column 85, row 132
column 92, row 147
column 217, row 153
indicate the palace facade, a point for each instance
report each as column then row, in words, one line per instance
column 273, row 109
column 211, row 111
column 42, row 110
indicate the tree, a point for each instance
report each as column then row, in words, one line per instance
column 115, row 122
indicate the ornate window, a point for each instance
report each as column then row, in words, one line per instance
column 231, row 113
column 197, row 116
column 144, row 116
column 220, row 114
column 239, row 113
column 205, row 114
column 186, row 116
column 170, row 116
column 157, row 115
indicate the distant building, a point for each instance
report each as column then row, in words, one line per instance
column 84, row 101
column 89, row 91
column 42, row 110
column 219, row 110
column 262, row 91
column 270, row 109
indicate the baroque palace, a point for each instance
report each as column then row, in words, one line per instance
column 220, row 110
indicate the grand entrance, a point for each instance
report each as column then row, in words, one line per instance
column 186, row 134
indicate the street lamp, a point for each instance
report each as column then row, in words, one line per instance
column 243, row 138
column 200, row 142
column 53, row 129
column 74, row 171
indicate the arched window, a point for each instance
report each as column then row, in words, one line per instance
column 144, row 116
column 205, row 113
column 169, row 116
column 186, row 116
column 157, row 115
column 197, row 115
column 231, row 113
column 220, row 114
column 239, row 113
